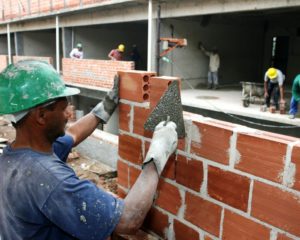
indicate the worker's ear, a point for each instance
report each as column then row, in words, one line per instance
column 40, row 114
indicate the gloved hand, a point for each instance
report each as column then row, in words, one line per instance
column 163, row 144
column 104, row 109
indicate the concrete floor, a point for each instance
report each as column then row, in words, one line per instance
column 226, row 104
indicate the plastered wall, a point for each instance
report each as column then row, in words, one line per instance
column 225, row 181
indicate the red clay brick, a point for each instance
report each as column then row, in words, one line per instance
column 189, row 172
column 123, row 171
column 183, row 232
column 296, row 161
column 281, row 236
column 124, row 116
column 121, row 193
column 169, row 170
column 158, row 86
column 181, row 144
column 134, row 173
column 130, row 148
column 214, row 142
column 134, row 85
column 237, row 227
column 207, row 238
column 140, row 117
column 157, row 222
column 228, row 187
column 203, row 214
column 72, row 3
column 261, row 155
column 277, row 207
column 168, row 197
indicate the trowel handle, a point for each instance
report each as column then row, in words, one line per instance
column 166, row 122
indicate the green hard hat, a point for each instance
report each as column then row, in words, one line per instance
column 29, row 83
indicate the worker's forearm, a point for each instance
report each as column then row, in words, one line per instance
column 281, row 93
column 139, row 200
column 265, row 87
column 82, row 128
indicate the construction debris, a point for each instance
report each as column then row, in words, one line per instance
column 100, row 174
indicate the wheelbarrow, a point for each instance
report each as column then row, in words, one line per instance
column 252, row 93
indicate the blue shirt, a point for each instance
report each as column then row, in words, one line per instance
column 41, row 198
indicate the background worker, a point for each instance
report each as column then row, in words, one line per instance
column 213, row 68
column 77, row 52
column 135, row 57
column 40, row 196
column 295, row 97
column 273, row 84
column 117, row 54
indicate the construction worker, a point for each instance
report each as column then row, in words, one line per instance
column 273, row 84
column 117, row 54
column 40, row 196
column 77, row 52
column 295, row 97
column 135, row 56
column 214, row 64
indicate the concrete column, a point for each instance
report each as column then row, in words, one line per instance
column 154, row 44
column 8, row 44
column 19, row 43
column 67, row 39
column 150, row 23
column 57, row 44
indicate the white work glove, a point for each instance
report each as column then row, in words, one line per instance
column 104, row 109
column 163, row 144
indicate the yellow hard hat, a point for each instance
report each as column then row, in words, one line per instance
column 272, row 73
column 121, row 48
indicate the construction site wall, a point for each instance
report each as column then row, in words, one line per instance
column 93, row 73
column 225, row 181
column 3, row 62
column 21, row 58
column 16, row 9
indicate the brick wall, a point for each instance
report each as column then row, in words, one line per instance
column 14, row 9
column 224, row 182
column 99, row 73
column 3, row 62
column 21, row 58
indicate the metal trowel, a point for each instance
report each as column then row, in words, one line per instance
column 169, row 108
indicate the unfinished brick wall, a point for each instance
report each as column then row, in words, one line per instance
column 13, row 9
column 3, row 62
column 90, row 72
column 224, row 182
column 44, row 59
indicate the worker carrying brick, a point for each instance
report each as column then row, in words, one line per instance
column 40, row 196
column 295, row 97
column 273, row 85
column 117, row 54
column 213, row 68
column 77, row 52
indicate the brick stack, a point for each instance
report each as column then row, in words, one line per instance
column 90, row 72
column 224, row 182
